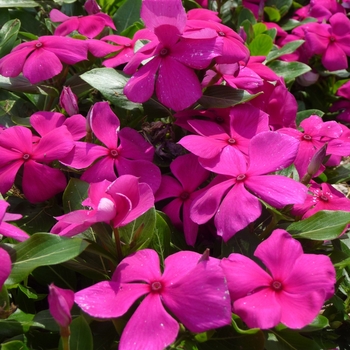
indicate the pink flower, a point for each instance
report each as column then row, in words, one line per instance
column 330, row 41
column 322, row 197
column 60, row 303
column 192, row 288
column 5, row 266
column 292, row 291
column 189, row 176
column 89, row 26
column 172, row 58
column 123, row 152
column 42, row 59
column 116, row 204
column 17, row 148
column 233, row 198
column 9, row 230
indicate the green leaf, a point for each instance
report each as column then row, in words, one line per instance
column 81, row 337
column 75, row 193
column 273, row 14
column 138, row 233
column 246, row 15
column 261, row 45
column 237, row 324
column 284, row 50
column 111, row 84
column 317, row 324
column 282, row 6
column 338, row 174
column 223, row 96
column 259, row 28
column 307, row 113
column 127, row 14
column 14, row 345
column 39, row 250
column 289, row 70
column 8, row 36
column 19, row 3
column 46, row 320
column 324, row 225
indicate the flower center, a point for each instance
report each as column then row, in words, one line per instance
column 276, row 285
column 164, row 52
column 221, row 33
column 127, row 45
column 332, row 39
column 38, row 45
column 323, row 198
column 241, row 177
column 114, row 153
column 184, row 195
column 307, row 137
column 26, row 156
column 231, row 141
column 156, row 286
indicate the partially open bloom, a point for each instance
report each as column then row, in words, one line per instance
column 9, row 230
column 60, row 303
column 192, row 287
column 292, row 291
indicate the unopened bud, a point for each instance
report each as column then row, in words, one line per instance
column 60, row 303
column 92, row 7
column 69, row 101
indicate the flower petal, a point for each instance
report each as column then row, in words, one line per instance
column 14, row 232
column 156, row 329
column 5, row 266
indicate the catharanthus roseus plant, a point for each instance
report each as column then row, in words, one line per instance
column 174, row 174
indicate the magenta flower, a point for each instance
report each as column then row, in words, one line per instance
column 292, row 291
column 233, row 199
column 245, row 122
column 9, row 230
column 172, row 58
column 116, row 204
column 192, row 288
column 5, row 266
column 42, row 59
column 322, row 197
column 189, row 176
column 316, row 133
column 331, row 41
column 89, row 26
column 40, row 181
column 124, row 151
column 60, row 304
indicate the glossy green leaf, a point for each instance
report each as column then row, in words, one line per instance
column 39, row 250
column 14, row 345
column 8, row 36
column 19, row 3
column 81, row 337
column 284, row 50
column 273, row 14
column 289, row 70
column 110, row 83
column 138, row 234
column 127, row 14
column 75, row 192
column 317, row 324
column 261, row 45
column 338, row 174
column 307, row 113
column 223, row 96
column 237, row 325
column 324, row 225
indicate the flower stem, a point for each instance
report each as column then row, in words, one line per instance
column 65, row 335
column 117, row 244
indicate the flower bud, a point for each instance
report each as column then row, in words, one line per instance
column 92, row 7
column 69, row 101
column 60, row 303
column 308, row 78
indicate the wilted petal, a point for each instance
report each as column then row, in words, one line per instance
column 156, row 329
column 109, row 299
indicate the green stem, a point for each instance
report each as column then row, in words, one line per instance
column 65, row 335
column 117, row 244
